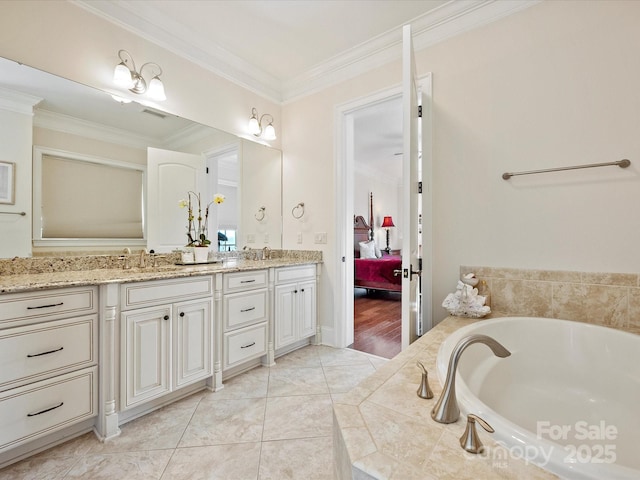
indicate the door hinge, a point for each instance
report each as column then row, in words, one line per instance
column 419, row 187
column 419, row 111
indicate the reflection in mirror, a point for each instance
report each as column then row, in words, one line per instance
column 82, row 122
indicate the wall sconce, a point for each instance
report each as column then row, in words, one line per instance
column 128, row 77
column 255, row 126
column 387, row 223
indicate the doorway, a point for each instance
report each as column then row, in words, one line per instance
column 377, row 200
column 342, row 335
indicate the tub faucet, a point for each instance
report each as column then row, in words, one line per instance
column 446, row 410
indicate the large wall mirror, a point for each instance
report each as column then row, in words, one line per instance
column 91, row 178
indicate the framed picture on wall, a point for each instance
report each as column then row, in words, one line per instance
column 7, row 182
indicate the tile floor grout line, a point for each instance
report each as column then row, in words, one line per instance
column 323, row 357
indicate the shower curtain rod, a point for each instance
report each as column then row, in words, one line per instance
column 620, row 163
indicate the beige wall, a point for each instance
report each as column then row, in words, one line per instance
column 553, row 85
column 15, row 147
column 61, row 38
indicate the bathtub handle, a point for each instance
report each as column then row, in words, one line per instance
column 470, row 440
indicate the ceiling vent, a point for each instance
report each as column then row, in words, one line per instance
column 155, row 113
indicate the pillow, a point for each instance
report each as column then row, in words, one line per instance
column 377, row 250
column 367, row 250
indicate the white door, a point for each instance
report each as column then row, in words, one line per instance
column 170, row 176
column 306, row 298
column 192, row 333
column 411, row 255
column 285, row 314
column 145, row 369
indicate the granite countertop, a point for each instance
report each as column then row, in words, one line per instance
column 383, row 430
column 62, row 277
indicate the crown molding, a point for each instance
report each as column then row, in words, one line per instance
column 450, row 19
column 17, row 102
column 72, row 125
column 143, row 21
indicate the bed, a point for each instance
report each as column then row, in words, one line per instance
column 373, row 273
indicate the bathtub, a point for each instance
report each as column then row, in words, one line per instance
column 567, row 399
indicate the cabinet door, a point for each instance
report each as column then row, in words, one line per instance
column 192, row 341
column 145, row 369
column 306, row 299
column 285, row 312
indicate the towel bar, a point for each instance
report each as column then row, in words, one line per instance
column 620, row 163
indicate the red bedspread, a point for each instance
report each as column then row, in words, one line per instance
column 377, row 273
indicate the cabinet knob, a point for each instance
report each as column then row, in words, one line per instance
column 295, row 291
column 302, row 289
column 166, row 317
column 182, row 314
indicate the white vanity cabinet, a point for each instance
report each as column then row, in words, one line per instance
column 48, row 363
column 166, row 337
column 245, row 312
column 295, row 304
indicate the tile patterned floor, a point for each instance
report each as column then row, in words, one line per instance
column 267, row 424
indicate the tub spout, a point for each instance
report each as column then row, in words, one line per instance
column 446, row 410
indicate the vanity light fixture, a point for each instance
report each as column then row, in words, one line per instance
column 255, row 125
column 127, row 76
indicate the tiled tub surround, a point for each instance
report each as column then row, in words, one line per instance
column 608, row 299
column 383, row 430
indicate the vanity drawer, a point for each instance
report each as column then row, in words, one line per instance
column 158, row 292
column 244, row 344
column 238, row 281
column 43, row 407
column 245, row 308
column 295, row 274
column 32, row 352
column 24, row 308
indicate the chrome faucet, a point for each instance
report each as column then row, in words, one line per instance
column 266, row 253
column 446, row 410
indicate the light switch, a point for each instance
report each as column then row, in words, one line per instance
column 251, row 238
column 320, row 237
column 299, row 237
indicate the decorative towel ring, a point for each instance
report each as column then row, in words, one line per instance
column 260, row 215
column 299, row 208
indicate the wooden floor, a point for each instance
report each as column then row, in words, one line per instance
column 377, row 326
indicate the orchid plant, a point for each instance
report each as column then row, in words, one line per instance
column 197, row 233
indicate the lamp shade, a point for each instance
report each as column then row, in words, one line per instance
column 156, row 89
column 269, row 132
column 387, row 222
column 254, row 126
column 122, row 76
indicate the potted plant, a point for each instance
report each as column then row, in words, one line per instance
column 197, row 231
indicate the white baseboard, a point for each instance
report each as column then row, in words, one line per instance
column 328, row 336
